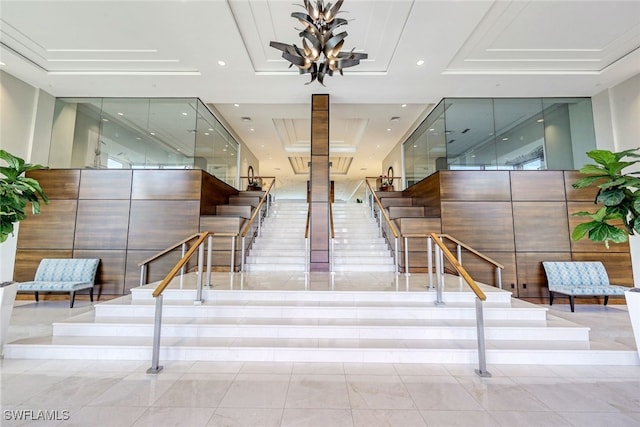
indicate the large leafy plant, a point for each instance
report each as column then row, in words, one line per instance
column 16, row 192
column 617, row 194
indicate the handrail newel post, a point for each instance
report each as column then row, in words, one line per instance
column 459, row 253
column 199, row 299
column 209, row 258
column 183, row 251
column 482, row 359
column 406, row 256
column 143, row 274
column 242, row 255
column 430, row 261
column 233, row 254
column 499, row 278
column 439, row 277
column 395, row 255
column 155, row 358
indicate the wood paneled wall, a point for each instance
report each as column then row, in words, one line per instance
column 518, row 218
column 119, row 216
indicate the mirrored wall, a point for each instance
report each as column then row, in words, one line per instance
column 141, row 133
column 501, row 134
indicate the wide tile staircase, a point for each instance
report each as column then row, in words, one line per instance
column 297, row 323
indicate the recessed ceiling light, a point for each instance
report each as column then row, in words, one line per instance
column 222, row 63
column 252, row 129
column 473, row 156
column 184, row 114
column 420, row 62
column 505, row 138
column 388, row 129
column 152, row 133
column 540, row 120
column 121, row 114
column 138, row 138
column 179, row 150
column 105, row 120
column 404, row 105
column 206, row 133
column 236, row 105
column 431, row 130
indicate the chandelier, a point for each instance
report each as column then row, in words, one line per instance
column 320, row 53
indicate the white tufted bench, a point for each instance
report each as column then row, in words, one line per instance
column 63, row 275
column 579, row 278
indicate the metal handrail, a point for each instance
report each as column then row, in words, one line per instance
column 473, row 251
column 499, row 267
column 333, row 240
column 256, row 212
column 167, row 250
column 307, row 261
column 441, row 249
column 388, row 220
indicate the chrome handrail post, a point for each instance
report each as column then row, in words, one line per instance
column 199, row 299
column 143, row 274
column 260, row 222
column 406, row 256
column 439, row 277
column 306, row 254
column 209, row 258
column 242, row 255
column 395, row 255
column 333, row 261
column 233, row 254
column 482, row 359
column 155, row 358
column 459, row 253
column 499, row 274
column 430, row 261
column 184, row 250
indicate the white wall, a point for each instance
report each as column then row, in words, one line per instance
column 394, row 160
column 617, row 123
column 25, row 127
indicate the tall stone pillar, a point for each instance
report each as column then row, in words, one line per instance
column 319, row 183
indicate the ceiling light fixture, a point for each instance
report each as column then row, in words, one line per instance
column 420, row 62
column 222, row 63
column 320, row 54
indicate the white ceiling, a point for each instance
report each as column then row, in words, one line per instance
column 171, row 49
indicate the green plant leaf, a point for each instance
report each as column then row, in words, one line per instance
column 602, row 157
column 594, row 170
column 582, row 230
column 627, row 153
column 603, row 232
column 586, row 181
column 611, row 197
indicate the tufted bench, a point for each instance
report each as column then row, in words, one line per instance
column 579, row 278
column 63, row 275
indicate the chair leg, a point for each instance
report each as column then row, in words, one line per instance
column 73, row 298
column 550, row 298
column 91, row 294
column 37, row 296
column 606, row 299
column 571, row 302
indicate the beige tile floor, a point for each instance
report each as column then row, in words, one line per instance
column 193, row 393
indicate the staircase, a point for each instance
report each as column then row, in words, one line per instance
column 401, row 326
column 358, row 244
column 281, row 245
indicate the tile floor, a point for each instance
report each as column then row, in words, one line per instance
column 194, row 393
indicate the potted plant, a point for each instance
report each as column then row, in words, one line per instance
column 16, row 192
column 619, row 214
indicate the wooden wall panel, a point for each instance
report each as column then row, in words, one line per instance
column 426, row 193
column 537, row 185
column 110, row 274
column 475, row 185
column 618, row 265
column 27, row 261
column 214, row 192
column 157, row 224
column 541, row 227
column 532, row 281
column 58, row 183
column 166, row 184
column 578, row 195
column 102, row 224
column 586, row 245
column 485, row 226
column 105, row 184
column 52, row 229
column 484, row 272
